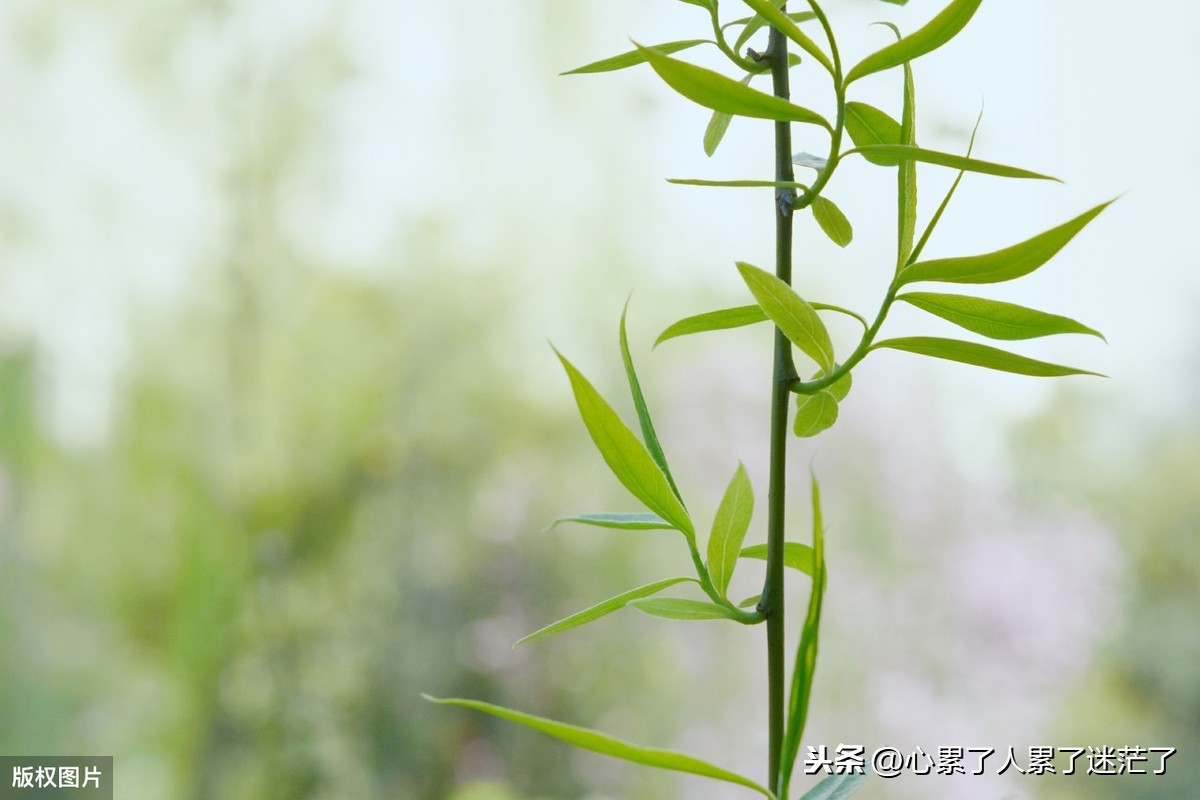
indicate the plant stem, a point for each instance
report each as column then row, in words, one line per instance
column 784, row 373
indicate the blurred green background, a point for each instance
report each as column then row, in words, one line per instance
column 280, row 432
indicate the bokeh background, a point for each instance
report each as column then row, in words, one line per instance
column 280, row 432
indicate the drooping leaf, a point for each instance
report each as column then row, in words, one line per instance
column 795, row 555
column 795, row 317
column 627, row 457
column 597, row 742
column 994, row 319
column 739, row 184
column 815, row 413
column 683, row 609
column 714, row 90
column 941, row 29
column 625, row 522
column 643, row 413
column 730, row 524
column 713, row 321
column 718, row 124
column 1002, row 265
column 841, row 786
column 868, row 125
column 889, row 155
column 790, row 29
column 979, row 355
column 605, row 608
column 634, row 57
column 832, row 221
column 806, row 652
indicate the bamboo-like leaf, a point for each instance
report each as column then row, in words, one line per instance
column 738, row 184
column 627, row 457
column 795, row 555
column 941, row 209
column 842, row 785
column 806, row 652
column 1002, row 265
column 713, row 321
column 906, row 178
column 718, row 124
column 643, row 413
column 994, row 319
column 941, row 29
column 795, row 16
column 889, row 155
column 714, row 90
column 980, row 355
column 604, row 744
column 683, row 609
column 730, row 524
column 758, row 22
column 868, row 125
column 815, row 413
column 790, row 29
column 795, row 317
column 605, row 608
column 832, row 221
column 623, row 522
column 634, row 57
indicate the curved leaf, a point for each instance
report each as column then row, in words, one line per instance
column 758, row 22
column 839, row 388
column 840, row 786
column 815, row 413
column 730, row 524
column 713, row 321
column 796, row 318
column 1002, row 265
column 597, row 742
column 980, row 355
column 941, row 29
column 832, row 221
column 625, row 455
column 634, row 57
column 683, row 609
column 605, row 608
column 994, row 319
column 639, row 403
column 790, row 29
column 739, row 184
column 623, row 522
column 890, row 155
column 868, row 125
column 795, row 555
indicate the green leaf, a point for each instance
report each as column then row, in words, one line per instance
column 795, row 555
column 832, row 221
column 1002, row 265
column 605, row 608
column 839, row 388
column 624, row 522
column 844, row 311
column 718, row 124
column 643, row 413
column 679, row 608
column 740, row 184
column 941, row 29
column 790, row 29
column 815, row 413
column 757, row 22
column 837, row 787
column 625, row 455
column 994, row 319
column 713, row 321
column 806, row 652
column 730, row 524
column 906, row 178
column 868, row 125
column 714, row 90
column 979, row 355
column 941, row 209
column 634, row 57
column 889, row 155
column 607, row 745
column 796, row 318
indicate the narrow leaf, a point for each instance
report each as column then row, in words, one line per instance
column 623, row 522
column 832, row 221
column 758, row 22
column 682, row 609
column 634, row 57
column 607, row 745
column 889, row 155
column 605, row 608
column 730, row 524
column 713, row 321
column 705, row 4
column 868, row 125
column 718, row 124
column 906, row 178
column 980, row 355
column 714, row 90
column 994, row 319
column 643, row 413
column 796, row 318
column 941, row 29
column 844, row 311
column 841, row 786
column 739, row 184
column 625, row 455
column 790, row 29
column 1002, row 265
column 941, row 209
column 815, row 413
column 795, row 555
